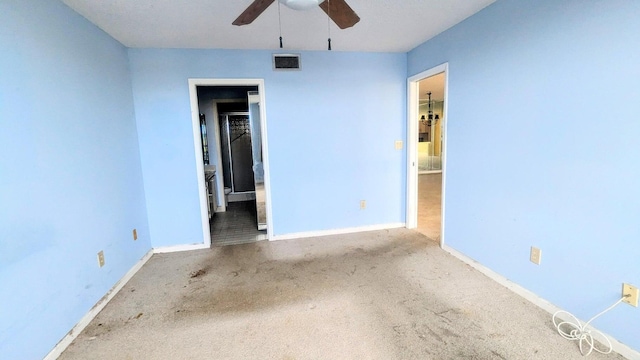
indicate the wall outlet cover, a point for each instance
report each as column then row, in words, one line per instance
column 399, row 144
column 363, row 204
column 632, row 291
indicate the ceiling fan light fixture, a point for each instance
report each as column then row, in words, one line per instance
column 337, row 10
column 301, row 4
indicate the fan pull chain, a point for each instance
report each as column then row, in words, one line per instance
column 280, row 24
column 329, row 23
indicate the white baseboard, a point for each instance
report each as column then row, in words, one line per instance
column 86, row 319
column 336, row 231
column 617, row 346
column 177, row 248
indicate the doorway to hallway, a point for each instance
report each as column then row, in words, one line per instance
column 426, row 152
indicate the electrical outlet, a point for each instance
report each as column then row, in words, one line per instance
column 135, row 235
column 363, row 204
column 399, row 144
column 536, row 255
column 632, row 291
column 101, row 258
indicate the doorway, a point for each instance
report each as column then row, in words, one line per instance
column 229, row 131
column 426, row 147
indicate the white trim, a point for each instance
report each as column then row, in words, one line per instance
column 336, row 231
column 265, row 158
column 411, row 215
column 545, row 305
column 444, row 151
column 62, row 345
column 193, row 94
column 177, row 248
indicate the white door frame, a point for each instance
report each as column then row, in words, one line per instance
column 412, row 145
column 197, row 141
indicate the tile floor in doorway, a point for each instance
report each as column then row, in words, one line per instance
column 430, row 205
column 237, row 225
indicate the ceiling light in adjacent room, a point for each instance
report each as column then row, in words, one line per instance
column 432, row 118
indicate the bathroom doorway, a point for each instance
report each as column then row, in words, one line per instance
column 232, row 141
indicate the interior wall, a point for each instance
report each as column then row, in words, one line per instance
column 331, row 130
column 554, row 168
column 70, row 175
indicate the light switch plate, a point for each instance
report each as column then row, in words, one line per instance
column 536, row 255
column 101, row 258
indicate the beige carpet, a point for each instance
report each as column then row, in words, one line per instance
column 376, row 295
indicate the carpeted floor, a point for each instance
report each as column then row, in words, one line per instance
column 389, row 294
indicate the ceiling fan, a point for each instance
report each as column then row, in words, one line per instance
column 338, row 11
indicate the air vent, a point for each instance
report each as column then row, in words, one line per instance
column 286, row 61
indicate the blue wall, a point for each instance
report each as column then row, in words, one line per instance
column 331, row 131
column 70, row 175
column 543, row 149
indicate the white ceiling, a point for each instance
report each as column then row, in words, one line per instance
column 385, row 25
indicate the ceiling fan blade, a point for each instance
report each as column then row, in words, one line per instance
column 340, row 13
column 252, row 12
